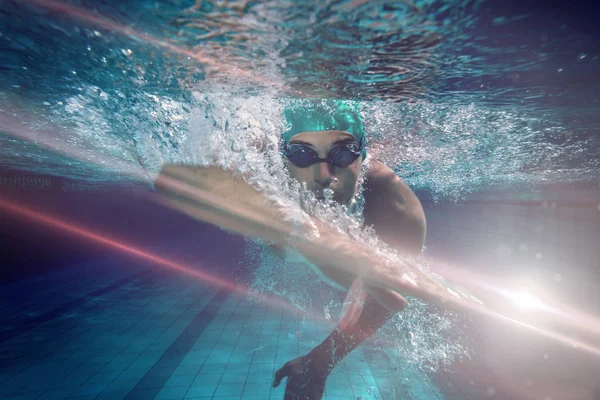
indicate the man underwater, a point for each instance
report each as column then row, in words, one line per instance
column 325, row 148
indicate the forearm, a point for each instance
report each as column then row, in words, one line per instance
column 350, row 334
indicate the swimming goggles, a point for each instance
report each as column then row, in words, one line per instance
column 341, row 156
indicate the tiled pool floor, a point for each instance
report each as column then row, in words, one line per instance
column 115, row 331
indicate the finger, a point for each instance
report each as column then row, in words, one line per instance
column 280, row 374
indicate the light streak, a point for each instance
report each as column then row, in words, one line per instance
column 132, row 250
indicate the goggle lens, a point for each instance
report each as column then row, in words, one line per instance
column 303, row 156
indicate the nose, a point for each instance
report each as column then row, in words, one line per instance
column 324, row 174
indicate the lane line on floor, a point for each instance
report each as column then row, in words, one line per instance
column 154, row 380
column 67, row 307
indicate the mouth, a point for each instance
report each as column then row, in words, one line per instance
column 327, row 194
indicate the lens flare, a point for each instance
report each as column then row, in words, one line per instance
column 18, row 128
column 132, row 250
column 525, row 300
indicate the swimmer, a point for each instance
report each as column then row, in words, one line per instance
column 325, row 148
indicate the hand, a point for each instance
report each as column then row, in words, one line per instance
column 305, row 379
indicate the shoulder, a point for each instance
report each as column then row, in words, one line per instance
column 382, row 181
column 393, row 209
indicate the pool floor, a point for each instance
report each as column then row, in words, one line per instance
column 109, row 330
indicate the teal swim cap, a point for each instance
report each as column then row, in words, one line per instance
column 324, row 115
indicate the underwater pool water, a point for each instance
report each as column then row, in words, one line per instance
column 487, row 109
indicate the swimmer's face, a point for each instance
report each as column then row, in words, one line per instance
column 322, row 175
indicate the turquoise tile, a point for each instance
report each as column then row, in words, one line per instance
column 73, row 380
column 206, row 380
column 133, row 373
column 193, row 361
column 104, row 377
column 338, row 390
column 216, row 357
column 142, row 363
column 256, row 389
column 125, row 358
column 122, row 384
column 199, row 398
column 200, row 349
column 84, row 397
column 149, row 383
column 241, row 369
column 249, row 336
column 116, row 366
column 90, row 389
column 229, row 390
column 205, row 390
column 55, row 394
column 186, row 370
column 180, row 380
column 199, row 352
column 264, row 357
column 269, row 365
column 218, row 368
column 230, row 378
column 172, row 392
column 226, row 398
column 240, row 358
column 262, row 379
column 141, row 394
column 112, row 395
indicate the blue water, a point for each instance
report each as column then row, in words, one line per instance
column 507, row 93
column 482, row 102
